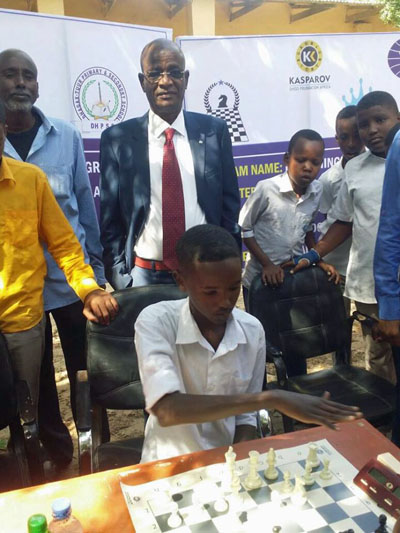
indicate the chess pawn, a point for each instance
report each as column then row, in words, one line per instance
column 175, row 519
column 298, row 496
column 253, row 480
column 325, row 472
column 312, row 455
column 271, row 473
column 287, row 484
column 308, row 478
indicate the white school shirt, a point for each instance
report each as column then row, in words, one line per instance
column 149, row 243
column 359, row 201
column 174, row 356
column 331, row 181
column 278, row 219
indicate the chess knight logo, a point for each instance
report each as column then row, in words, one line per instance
column 221, row 100
column 309, row 56
column 99, row 96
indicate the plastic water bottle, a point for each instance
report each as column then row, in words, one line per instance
column 63, row 521
column 37, row 523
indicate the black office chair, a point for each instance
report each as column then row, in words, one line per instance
column 112, row 380
column 303, row 318
column 16, row 413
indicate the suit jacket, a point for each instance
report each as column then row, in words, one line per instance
column 125, row 185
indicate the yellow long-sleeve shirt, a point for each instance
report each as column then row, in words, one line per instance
column 29, row 215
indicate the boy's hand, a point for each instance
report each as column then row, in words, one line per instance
column 272, row 275
column 330, row 270
column 387, row 330
column 100, row 306
column 303, row 261
column 315, row 410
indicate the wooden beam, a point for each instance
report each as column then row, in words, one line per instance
column 359, row 14
column 32, row 5
column 238, row 8
column 174, row 6
column 107, row 6
column 307, row 11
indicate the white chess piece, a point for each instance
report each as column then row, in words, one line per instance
column 312, row 455
column 271, row 473
column 230, row 478
column 175, row 519
column 253, row 479
column 221, row 505
column 287, row 484
column 308, row 478
column 298, row 496
column 325, row 473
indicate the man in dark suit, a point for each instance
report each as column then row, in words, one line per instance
column 162, row 174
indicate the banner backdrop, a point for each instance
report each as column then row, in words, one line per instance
column 87, row 71
column 269, row 87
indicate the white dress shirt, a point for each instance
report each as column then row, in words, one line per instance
column 331, row 181
column 174, row 356
column 359, row 201
column 278, row 219
column 149, row 243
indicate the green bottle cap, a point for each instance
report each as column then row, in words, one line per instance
column 37, row 523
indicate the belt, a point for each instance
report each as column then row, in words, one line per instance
column 150, row 264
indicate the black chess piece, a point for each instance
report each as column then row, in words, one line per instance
column 382, row 524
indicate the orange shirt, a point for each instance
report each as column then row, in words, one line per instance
column 30, row 215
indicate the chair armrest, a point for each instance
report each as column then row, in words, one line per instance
column 275, row 356
column 83, row 414
column 30, row 431
column 84, row 422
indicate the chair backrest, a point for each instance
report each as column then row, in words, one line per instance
column 304, row 317
column 111, row 356
column 8, row 398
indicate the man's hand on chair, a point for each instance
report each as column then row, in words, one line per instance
column 100, row 306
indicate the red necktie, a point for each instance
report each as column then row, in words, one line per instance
column 173, row 207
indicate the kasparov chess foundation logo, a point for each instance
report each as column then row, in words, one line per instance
column 221, row 100
column 309, row 56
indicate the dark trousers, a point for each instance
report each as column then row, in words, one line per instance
column 53, row 433
column 396, row 420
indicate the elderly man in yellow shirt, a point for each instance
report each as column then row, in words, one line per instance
column 29, row 217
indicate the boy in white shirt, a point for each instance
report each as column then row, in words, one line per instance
column 348, row 139
column 277, row 218
column 202, row 361
column 356, row 211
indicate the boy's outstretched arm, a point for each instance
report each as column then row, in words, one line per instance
column 178, row 408
column 271, row 274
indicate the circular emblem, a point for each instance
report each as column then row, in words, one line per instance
column 394, row 58
column 99, row 94
column 309, row 56
column 220, row 95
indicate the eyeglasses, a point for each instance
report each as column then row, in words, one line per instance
column 154, row 76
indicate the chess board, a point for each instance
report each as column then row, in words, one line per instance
column 234, row 122
column 334, row 505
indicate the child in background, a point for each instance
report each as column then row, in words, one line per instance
column 277, row 218
column 351, row 145
column 356, row 212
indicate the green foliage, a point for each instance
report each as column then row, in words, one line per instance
column 390, row 12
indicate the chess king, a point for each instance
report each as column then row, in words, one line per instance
column 162, row 174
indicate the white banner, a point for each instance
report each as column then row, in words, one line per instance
column 282, row 83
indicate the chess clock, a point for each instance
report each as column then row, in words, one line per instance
column 380, row 479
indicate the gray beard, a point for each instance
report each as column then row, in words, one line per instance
column 18, row 106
